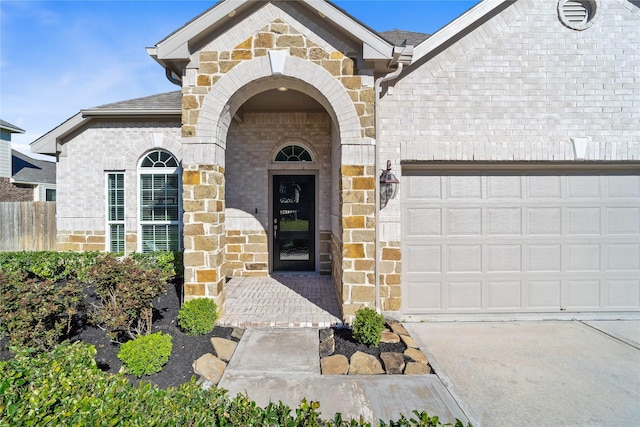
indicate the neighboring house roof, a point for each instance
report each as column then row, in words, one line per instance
column 402, row 37
column 28, row 170
column 9, row 127
column 163, row 104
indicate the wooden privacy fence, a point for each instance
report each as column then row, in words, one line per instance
column 27, row 226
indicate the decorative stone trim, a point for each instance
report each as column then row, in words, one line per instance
column 357, row 188
column 80, row 240
column 390, row 276
column 247, row 253
column 204, row 234
column 279, row 36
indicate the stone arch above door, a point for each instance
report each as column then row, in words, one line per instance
column 252, row 77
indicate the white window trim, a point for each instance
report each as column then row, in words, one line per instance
column 108, row 222
column 159, row 171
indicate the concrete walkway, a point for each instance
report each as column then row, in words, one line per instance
column 281, row 301
column 552, row 373
column 284, row 365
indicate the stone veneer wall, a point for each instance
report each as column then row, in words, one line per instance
column 358, row 236
column 77, row 240
column 357, row 254
column 204, row 232
column 247, row 253
column 278, row 35
column 390, row 276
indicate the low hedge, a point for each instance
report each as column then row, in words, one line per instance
column 65, row 388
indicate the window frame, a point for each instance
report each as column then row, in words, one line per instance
column 158, row 169
column 110, row 223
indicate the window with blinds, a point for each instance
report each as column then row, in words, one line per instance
column 115, row 211
column 159, row 202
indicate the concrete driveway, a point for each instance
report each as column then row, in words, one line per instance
column 546, row 373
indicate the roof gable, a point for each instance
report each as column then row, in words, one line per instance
column 230, row 22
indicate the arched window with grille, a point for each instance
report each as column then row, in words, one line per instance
column 160, row 203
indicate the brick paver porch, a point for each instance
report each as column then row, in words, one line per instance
column 281, row 301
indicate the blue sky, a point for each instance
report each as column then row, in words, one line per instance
column 57, row 57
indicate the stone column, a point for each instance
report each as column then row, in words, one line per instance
column 204, row 233
column 358, row 234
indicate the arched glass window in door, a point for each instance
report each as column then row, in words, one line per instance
column 293, row 153
column 159, row 202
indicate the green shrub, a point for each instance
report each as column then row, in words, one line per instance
column 146, row 354
column 368, row 326
column 169, row 263
column 126, row 291
column 65, row 388
column 198, row 316
column 37, row 313
column 49, row 265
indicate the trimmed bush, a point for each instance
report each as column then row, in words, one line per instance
column 65, row 388
column 368, row 326
column 198, row 316
column 146, row 354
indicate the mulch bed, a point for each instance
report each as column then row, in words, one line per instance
column 347, row 345
column 186, row 349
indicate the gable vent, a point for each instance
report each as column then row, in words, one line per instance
column 576, row 14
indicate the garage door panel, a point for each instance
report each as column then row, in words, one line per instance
column 504, row 187
column 465, row 295
column 545, row 221
column 623, row 186
column 544, row 258
column 423, row 187
column 504, row 221
column 624, row 220
column 504, row 258
column 530, row 242
column 424, row 295
column 423, row 222
column 623, row 293
column 583, row 186
column 544, row 187
column 583, row 294
column 464, row 222
column 504, row 295
column 544, row 294
column 465, row 258
column 623, row 257
column 583, row 257
column 424, row 258
column 583, row 220
column 465, row 187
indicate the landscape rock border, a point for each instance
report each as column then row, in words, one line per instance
column 210, row 367
column 398, row 353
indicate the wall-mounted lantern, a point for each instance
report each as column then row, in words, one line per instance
column 388, row 185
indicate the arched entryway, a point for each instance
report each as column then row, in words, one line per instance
column 230, row 206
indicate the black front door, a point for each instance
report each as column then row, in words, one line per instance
column 294, row 222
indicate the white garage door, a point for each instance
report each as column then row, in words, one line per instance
column 500, row 241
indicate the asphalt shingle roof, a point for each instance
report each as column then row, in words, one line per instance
column 27, row 169
column 162, row 101
column 397, row 37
